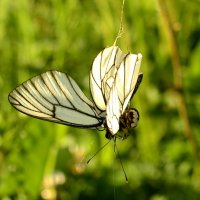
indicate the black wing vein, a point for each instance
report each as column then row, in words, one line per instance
column 53, row 75
column 25, row 86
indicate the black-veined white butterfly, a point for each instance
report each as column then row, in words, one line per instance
column 55, row 96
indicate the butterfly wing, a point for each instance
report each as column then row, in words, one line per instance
column 55, row 96
column 126, row 83
column 103, row 73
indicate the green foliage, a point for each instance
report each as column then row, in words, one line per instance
column 42, row 160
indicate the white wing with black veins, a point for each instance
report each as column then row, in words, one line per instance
column 55, row 96
column 103, row 74
column 126, row 81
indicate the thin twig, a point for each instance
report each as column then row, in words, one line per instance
column 177, row 75
column 119, row 34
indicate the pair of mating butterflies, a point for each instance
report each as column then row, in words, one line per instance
column 55, row 96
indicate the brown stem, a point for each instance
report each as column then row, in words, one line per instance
column 177, row 75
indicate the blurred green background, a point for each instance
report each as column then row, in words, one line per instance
column 42, row 160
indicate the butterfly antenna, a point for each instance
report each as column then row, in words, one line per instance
column 119, row 34
column 114, row 188
column 118, row 156
column 98, row 151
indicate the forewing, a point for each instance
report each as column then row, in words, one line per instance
column 55, row 96
column 103, row 73
column 122, row 90
column 127, row 77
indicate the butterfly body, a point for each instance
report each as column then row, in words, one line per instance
column 127, row 121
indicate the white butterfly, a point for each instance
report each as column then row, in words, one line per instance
column 55, row 96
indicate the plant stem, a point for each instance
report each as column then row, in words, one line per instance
column 177, row 75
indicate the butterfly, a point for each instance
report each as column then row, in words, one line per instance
column 54, row 96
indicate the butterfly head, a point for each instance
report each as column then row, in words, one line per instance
column 127, row 121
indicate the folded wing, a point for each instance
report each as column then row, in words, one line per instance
column 103, row 73
column 125, row 84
